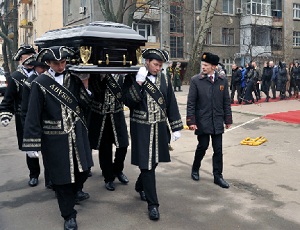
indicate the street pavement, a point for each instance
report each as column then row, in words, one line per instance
column 263, row 194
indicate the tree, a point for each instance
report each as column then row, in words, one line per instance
column 125, row 6
column 207, row 13
column 9, row 20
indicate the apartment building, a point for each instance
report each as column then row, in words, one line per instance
column 38, row 16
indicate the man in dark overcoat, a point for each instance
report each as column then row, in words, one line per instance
column 208, row 109
column 153, row 114
column 55, row 125
column 11, row 105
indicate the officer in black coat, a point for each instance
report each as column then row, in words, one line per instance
column 208, row 109
column 11, row 105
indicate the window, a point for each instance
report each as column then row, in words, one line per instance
column 176, row 19
column 208, row 39
column 228, row 6
column 69, row 7
column 83, row 3
column 296, row 38
column 176, row 29
column 227, row 36
column 143, row 29
column 260, row 36
column 296, row 11
column 198, row 5
column 227, row 63
column 257, row 7
column 276, row 39
column 176, row 47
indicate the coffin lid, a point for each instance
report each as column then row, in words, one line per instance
column 99, row 29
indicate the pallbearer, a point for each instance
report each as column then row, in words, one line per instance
column 153, row 105
column 55, row 125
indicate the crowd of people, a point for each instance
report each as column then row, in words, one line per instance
column 248, row 82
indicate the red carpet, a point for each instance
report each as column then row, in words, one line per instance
column 289, row 117
column 263, row 101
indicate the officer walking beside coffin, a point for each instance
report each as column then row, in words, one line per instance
column 11, row 105
column 152, row 104
column 56, row 126
column 208, row 109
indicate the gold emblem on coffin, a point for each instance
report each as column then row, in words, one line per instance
column 139, row 56
column 85, row 54
column 160, row 100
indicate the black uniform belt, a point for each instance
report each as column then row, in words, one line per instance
column 155, row 94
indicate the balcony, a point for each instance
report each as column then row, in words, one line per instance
column 147, row 14
column 277, row 18
column 24, row 23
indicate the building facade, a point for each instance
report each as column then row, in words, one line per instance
column 242, row 30
column 38, row 16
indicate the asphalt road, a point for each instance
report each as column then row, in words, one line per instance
column 263, row 194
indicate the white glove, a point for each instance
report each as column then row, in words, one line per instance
column 32, row 154
column 142, row 74
column 5, row 122
column 176, row 135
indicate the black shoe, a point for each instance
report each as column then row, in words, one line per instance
column 90, row 174
column 153, row 213
column 80, row 196
column 267, row 99
column 49, row 185
column 110, row 186
column 33, row 182
column 122, row 178
column 142, row 195
column 180, row 90
column 70, row 224
column 195, row 175
column 221, row 182
column 273, row 97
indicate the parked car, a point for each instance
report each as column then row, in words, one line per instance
column 3, row 83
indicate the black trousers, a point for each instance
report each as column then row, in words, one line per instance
column 266, row 87
column 217, row 160
column 108, row 167
column 66, row 194
column 273, row 88
column 146, row 182
column 33, row 166
column 35, row 170
column 237, row 88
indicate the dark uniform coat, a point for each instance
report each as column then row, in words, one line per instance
column 148, row 123
column 56, row 130
column 106, row 105
column 208, row 104
column 169, row 72
column 11, row 103
column 176, row 78
column 25, row 96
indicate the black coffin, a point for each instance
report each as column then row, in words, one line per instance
column 100, row 46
